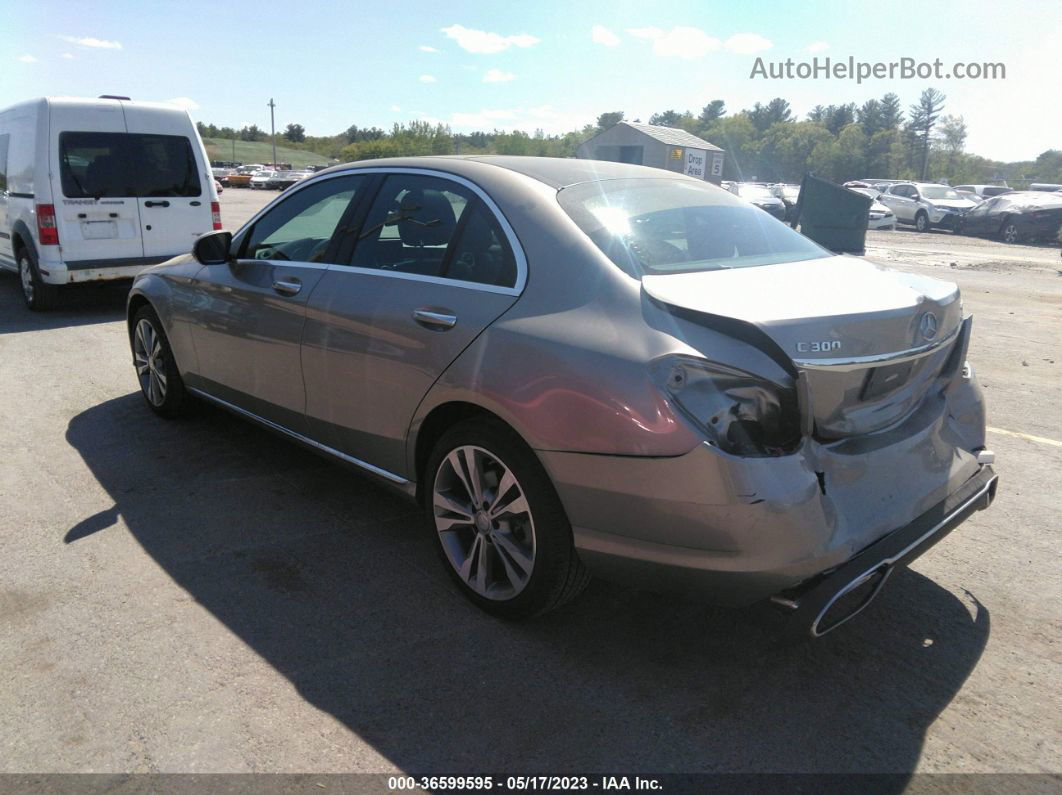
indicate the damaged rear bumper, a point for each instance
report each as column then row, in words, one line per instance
column 828, row 600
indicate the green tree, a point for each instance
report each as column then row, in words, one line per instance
column 251, row 133
column 891, row 115
column 610, row 119
column 774, row 112
column 712, row 112
column 924, row 115
column 295, row 133
column 869, row 115
column 669, row 118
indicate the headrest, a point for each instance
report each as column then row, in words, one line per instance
column 428, row 218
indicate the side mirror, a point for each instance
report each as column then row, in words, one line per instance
column 213, row 248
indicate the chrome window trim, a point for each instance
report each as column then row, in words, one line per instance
column 499, row 216
column 875, row 360
column 391, row 476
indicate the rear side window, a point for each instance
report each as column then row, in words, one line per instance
column 4, row 141
column 101, row 164
column 434, row 227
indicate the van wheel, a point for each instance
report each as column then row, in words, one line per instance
column 922, row 221
column 38, row 295
column 500, row 528
column 160, row 381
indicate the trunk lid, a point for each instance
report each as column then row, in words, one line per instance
column 870, row 341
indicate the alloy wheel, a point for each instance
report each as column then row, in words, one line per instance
column 26, row 276
column 484, row 522
column 1010, row 233
column 148, row 359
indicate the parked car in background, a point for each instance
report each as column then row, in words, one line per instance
column 760, row 196
column 1017, row 217
column 222, row 174
column 705, row 400
column 285, row 179
column 262, row 179
column 926, row 205
column 789, row 194
column 97, row 190
column 879, row 216
column 1045, row 187
column 982, row 192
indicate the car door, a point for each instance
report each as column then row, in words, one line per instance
column 975, row 222
column 902, row 202
column 249, row 313
column 175, row 190
column 433, row 265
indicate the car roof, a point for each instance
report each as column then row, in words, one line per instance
column 557, row 172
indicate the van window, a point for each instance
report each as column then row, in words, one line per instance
column 99, row 164
column 4, row 140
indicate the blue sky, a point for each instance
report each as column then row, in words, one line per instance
column 479, row 65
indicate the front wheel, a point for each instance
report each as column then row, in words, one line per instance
column 160, row 381
column 500, row 528
column 922, row 222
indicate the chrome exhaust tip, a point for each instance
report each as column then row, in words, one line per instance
column 850, row 601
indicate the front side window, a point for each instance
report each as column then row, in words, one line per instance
column 659, row 226
column 301, row 226
column 431, row 226
column 103, row 164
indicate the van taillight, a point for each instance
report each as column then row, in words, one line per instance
column 47, row 231
column 215, row 213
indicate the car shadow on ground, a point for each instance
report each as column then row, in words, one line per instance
column 80, row 305
column 331, row 579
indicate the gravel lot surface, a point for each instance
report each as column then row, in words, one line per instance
column 201, row 596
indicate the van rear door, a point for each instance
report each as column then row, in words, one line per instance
column 175, row 188
column 95, row 201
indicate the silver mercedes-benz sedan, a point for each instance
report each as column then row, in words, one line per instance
column 580, row 367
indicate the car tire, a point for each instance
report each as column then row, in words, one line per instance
column 510, row 553
column 922, row 221
column 39, row 297
column 156, row 369
column 1011, row 231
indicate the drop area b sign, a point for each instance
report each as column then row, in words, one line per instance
column 696, row 163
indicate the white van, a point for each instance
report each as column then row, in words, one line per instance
column 98, row 189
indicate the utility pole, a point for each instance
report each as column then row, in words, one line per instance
column 273, row 130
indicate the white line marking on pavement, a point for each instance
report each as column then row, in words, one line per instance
column 1029, row 436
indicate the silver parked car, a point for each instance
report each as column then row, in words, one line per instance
column 926, row 205
column 581, row 367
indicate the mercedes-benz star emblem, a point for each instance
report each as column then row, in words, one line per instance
column 928, row 326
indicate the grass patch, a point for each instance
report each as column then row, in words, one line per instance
column 260, row 152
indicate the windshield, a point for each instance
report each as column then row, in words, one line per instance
column 754, row 192
column 939, row 192
column 659, row 226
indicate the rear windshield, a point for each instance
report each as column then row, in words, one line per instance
column 102, row 164
column 659, row 226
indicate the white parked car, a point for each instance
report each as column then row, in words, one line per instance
column 880, row 216
column 927, row 205
column 261, row 179
column 97, row 190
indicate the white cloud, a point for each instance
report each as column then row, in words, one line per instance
column 184, row 103
column 68, row 56
column 747, row 43
column 27, row 59
column 498, row 76
column 818, row 46
column 88, row 41
column 602, row 35
column 395, row 109
column 484, row 43
column 426, row 48
column 428, row 79
column 679, row 42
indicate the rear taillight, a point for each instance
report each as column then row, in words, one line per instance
column 215, row 214
column 47, row 231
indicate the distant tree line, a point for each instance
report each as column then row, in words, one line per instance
column 767, row 142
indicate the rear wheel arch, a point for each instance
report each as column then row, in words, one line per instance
column 437, row 422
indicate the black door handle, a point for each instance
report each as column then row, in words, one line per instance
column 156, row 204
